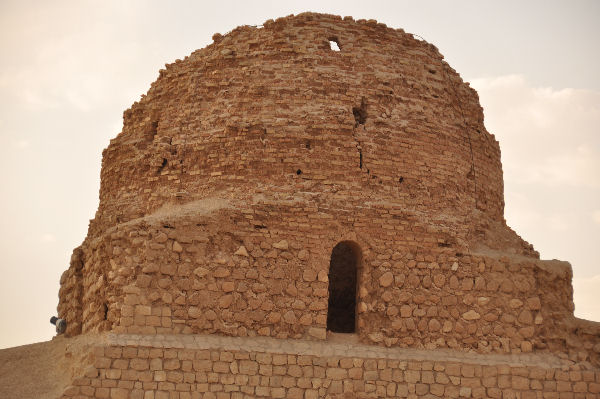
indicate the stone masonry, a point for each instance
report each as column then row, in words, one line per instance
column 281, row 219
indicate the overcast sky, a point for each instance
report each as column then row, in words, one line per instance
column 68, row 70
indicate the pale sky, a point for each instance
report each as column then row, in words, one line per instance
column 68, row 70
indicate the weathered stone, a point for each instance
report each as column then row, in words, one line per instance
column 515, row 303
column 283, row 245
column 221, row 272
column 177, row 247
column 201, row 271
column 471, row 315
column 241, row 252
column 386, row 279
column 225, row 301
column 318, row 333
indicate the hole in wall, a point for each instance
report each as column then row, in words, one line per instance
column 334, row 44
column 105, row 310
column 153, row 129
column 360, row 113
column 307, row 145
column 471, row 173
column 260, row 226
column 400, row 179
column 341, row 310
column 299, row 172
column 162, row 166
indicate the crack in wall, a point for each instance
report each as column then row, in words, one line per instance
column 360, row 118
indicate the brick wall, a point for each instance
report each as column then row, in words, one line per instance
column 175, row 367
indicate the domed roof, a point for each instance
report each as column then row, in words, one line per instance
column 277, row 110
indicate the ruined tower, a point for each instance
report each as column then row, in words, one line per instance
column 314, row 179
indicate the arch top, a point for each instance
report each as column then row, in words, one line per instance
column 354, row 246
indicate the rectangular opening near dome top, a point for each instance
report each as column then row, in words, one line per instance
column 334, row 44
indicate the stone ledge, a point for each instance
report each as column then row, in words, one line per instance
column 331, row 348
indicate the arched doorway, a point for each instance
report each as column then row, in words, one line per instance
column 341, row 311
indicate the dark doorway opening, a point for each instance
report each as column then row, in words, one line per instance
column 341, row 311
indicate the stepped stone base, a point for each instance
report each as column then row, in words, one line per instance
column 200, row 366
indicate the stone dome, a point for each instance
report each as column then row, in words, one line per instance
column 276, row 110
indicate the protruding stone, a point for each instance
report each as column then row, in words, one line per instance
column 527, row 332
column 363, row 292
column 177, row 247
column 447, row 327
column 90, row 372
column 525, row 317
column 318, row 333
column 228, row 286
column 283, row 245
column 225, row 301
column 222, row 272
column 194, row 312
column 471, row 315
column 161, row 237
column 386, row 279
column 201, row 271
column 241, row 251
column 405, row 311
column 289, row 317
column 322, row 276
column 376, row 337
column 309, row 275
column 434, row 325
column 534, row 303
column 515, row 303
column 483, row 300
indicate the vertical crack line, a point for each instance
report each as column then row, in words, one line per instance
column 360, row 118
column 358, row 148
column 360, row 157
